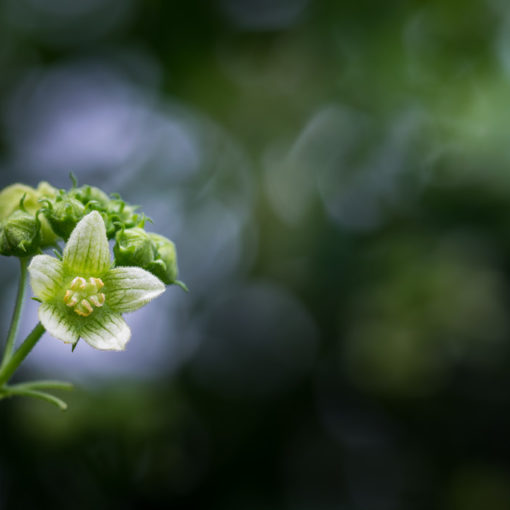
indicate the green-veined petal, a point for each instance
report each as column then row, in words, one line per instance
column 46, row 276
column 87, row 251
column 129, row 288
column 108, row 332
column 57, row 323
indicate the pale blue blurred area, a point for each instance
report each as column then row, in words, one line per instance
column 86, row 116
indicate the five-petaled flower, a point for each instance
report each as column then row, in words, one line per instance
column 82, row 296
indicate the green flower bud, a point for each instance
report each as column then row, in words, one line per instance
column 44, row 190
column 20, row 234
column 116, row 213
column 63, row 214
column 120, row 215
column 88, row 194
column 150, row 251
column 133, row 247
column 10, row 198
column 164, row 265
column 10, row 201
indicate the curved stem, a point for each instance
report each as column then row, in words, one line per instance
column 13, row 363
column 11, row 391
column 41, row 385
column 13, row 329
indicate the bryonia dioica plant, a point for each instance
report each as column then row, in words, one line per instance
column 82, row 290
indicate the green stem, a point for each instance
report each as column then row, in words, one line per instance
column 13, row 363
column 11, row 391
column 40, row 385
column 13, row 329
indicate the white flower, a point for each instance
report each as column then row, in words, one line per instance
column 82, row 296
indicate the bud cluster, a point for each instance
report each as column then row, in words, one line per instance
column 67, row 208
column 34, row 219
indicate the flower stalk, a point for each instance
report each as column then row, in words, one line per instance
column 21, row 353
column 14, row 327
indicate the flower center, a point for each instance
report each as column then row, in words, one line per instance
column 83, row 295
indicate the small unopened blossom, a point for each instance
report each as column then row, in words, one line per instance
column 20, row 234
column 10, row 198
column 165, row 259
column 82, row 296
column 63, row 214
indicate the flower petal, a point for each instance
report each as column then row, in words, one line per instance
column 87, row 251
column 46, row 276
column 57, row 323
column 107, row 332
column 129, row 288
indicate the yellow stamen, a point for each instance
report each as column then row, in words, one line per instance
column 97, row 300
column 83, row 295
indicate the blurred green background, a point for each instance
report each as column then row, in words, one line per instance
column 336, row 176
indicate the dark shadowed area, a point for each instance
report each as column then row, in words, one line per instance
column 336, row 178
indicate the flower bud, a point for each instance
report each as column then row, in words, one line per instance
column 133, row 247
column 119, row 215
column 44, row 190
column 88, row 194
column 116, row 213
column 10, row 198
column 20, row 234
column 63, row 214
column 10, row 201
column 164, row 265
